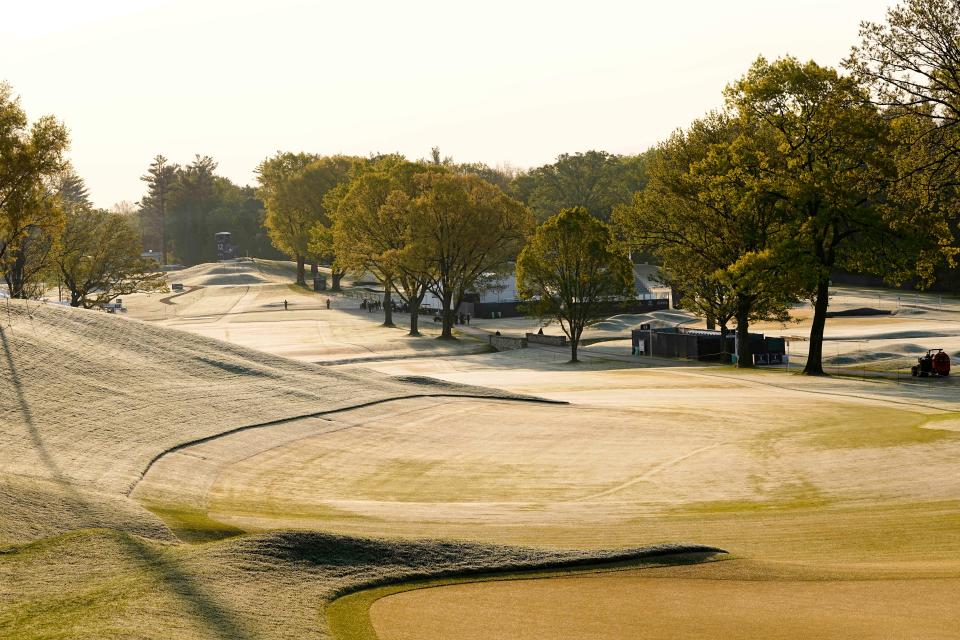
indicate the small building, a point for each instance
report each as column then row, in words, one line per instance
column 496, row 296
column 703, row 344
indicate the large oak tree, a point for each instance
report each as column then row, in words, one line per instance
column 712, row 231
column 372, row 231
column 832, row 172
column 288, row 219
column 98, row 258
column 464, row 226
column 31, row 160
column 571, row 270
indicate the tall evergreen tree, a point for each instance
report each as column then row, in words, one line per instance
column 190, row 206
column 161, row 180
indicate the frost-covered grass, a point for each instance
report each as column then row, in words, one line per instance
column 811, row 472
column 110, row 584
column 88, row 401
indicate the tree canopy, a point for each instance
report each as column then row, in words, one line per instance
column 711, row 230
column 833, row 175
column 186, row 205
column 161, row 178
column 32, row 158
column 294, row 187
column 594, row 180
column 571, row 270
column 464, row 226
column 288, row 223
column 98, row 258
column 372, row 230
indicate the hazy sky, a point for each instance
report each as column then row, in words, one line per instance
column 517, row 82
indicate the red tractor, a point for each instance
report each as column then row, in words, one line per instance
column 935, row 364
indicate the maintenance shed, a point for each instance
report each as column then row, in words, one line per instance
column 702, row 344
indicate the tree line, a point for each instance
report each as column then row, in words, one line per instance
column 49, row 230
column 807, row 170
column 185, row 205
column 804, row 170
column 416, row 226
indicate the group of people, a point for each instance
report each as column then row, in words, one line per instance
column 371, row 305
column 376, row 304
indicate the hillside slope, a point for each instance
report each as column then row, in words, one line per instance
column 88, row 400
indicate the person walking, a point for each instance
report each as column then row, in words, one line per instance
column 468, row 318
column 284, row 305
column 328, row 303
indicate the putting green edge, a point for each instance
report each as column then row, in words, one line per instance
column 348, row 617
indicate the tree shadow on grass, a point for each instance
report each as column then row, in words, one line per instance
column 200, row 604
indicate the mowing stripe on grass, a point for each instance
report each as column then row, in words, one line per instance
column 321, row 414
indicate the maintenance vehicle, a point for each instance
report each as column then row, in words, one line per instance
column 935, row 364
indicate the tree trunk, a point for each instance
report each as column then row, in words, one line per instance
column 724, row 354
column 301, row 275
column 744, row 356
column 163, row 226
column 447, row 332
column 711, row 323
column 313, row 272
column 574, row 343
column 16, row 277
column 415, row 316
column 335, row 276
column 814, row 366
column 387, row 305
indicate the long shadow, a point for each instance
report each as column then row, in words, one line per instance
column 201, row 604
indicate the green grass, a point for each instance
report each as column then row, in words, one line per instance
column 882, row 429
column 802, row 495
column 99, row 583
column 194, row 526
column 348, row 617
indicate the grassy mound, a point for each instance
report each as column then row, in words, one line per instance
column 90, row 397
column 88, row 400
column 99, row 583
